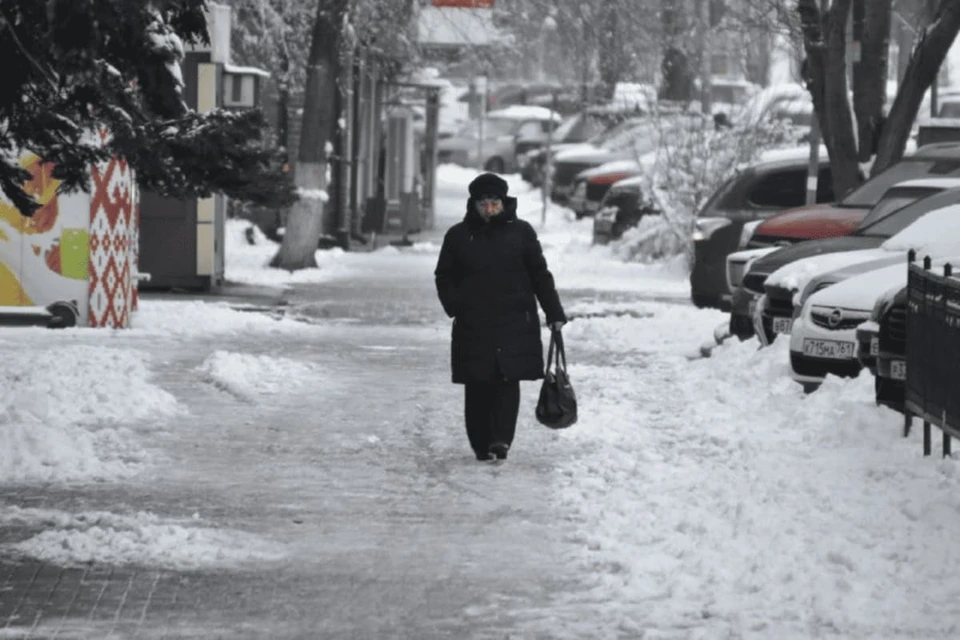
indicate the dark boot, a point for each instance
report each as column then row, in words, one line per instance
column 499, row 450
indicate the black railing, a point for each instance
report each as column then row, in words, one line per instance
column 933, row 350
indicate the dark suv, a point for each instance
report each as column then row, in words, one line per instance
column 776, row 182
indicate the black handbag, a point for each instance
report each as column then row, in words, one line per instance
column 557, row 406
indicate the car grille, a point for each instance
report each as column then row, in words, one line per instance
column 816, row 368
column 848, row 320
column 893, row 330
column 565, row 172
column 595, row 192
column 753, row 282
column 780, row 306
column 735, row 271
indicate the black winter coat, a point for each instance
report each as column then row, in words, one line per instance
column 489, row 277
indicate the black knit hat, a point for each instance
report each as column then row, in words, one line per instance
column 488, row 184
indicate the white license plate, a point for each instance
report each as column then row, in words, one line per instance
column 782, row 325
column 830, row 349
column 874, row 347
column 898, row 369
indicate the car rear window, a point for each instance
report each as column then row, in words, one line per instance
column 894, row 200
column 869, row 193
column 899, row 220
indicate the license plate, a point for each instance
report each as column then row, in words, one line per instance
column 874, row 347
column 898, row 369
column 830, row 349
column 782, row 325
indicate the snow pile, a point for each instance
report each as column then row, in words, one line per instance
column 194, row 318
column 140, row 539
column 248, row 376
column 249, row 263
column 66, row 413
column 743, row 508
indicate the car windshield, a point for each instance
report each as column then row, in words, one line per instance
column 710, row 205
column 870, row 192
column 891, row 225
column 895, row 200
column 640, row 138
column 563, row 131
column 603, row 137
column 492, row 128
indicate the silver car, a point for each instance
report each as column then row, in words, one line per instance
column 502, row 130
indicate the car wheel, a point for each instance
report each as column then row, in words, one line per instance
column 494, row 165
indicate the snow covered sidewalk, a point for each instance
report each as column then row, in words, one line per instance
column 216, row 472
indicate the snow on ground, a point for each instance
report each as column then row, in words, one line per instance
column 197, row 318
column 140, row 539
column 715, row 496
column 250, row 376
column 248, row 263
column 66, row 413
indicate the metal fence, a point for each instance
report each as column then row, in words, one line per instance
column 933, row 349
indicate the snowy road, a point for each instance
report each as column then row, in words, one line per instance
column 242, row 476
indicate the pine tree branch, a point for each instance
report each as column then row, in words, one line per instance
column 5, row 22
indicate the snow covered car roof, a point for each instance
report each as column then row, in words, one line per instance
column 524, row 112
column 930, row 183
column 936, row 234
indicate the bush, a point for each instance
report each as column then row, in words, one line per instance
column 694, row 158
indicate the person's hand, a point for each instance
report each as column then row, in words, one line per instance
column 556, row 326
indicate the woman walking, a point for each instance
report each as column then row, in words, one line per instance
column 490, row 274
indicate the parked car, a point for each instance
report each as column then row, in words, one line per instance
column 622, row 207
column 882, row 347
column 840, row 218
column 823, row 339
column 577, row 129
column 591, row 185
column 823, row 263
column 632, row 139
column 777, row 181
column 501, row 131
column 790, row 102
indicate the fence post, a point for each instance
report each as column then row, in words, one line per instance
column 926, row 438
column 907, row 423
column 926, row 263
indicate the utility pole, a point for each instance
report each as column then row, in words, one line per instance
column 706, row 60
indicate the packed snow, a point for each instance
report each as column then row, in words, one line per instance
column 70, row 413
column 139, row 539
column 250, row 376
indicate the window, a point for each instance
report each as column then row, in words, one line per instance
column 881, row 219
column 869, row 193
column 780, row 189
column 532, row 130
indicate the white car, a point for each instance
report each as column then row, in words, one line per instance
column 795, row 276
column 823, row 338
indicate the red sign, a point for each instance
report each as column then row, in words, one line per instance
column 465, row 4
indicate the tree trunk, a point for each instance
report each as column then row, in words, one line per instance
column 933, row 44
column 824, row 41
column 610, row 51
column 305, row 218
column 872, row 25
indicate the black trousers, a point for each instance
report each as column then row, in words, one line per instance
column 491, row 410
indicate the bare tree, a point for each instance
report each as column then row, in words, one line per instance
column 824, row 41
column 305, row 219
